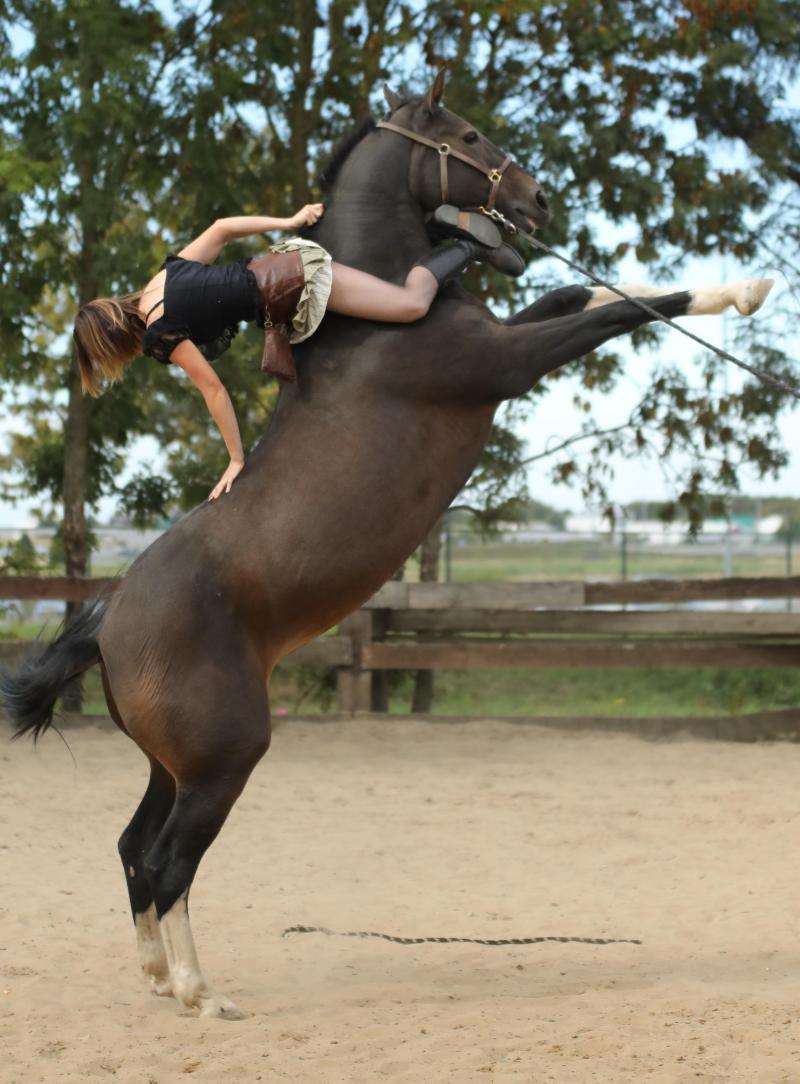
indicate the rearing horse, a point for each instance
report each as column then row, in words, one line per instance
column 360, row 459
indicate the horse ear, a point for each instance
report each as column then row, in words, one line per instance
column 394, row 101
column 433, row 97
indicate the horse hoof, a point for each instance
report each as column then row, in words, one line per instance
column 222, row 1008
column 751, row 295
column 161, row 987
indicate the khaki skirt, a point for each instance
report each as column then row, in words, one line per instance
column 314, row 296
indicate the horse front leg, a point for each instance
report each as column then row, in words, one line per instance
column 747, row 295
column 528, row 351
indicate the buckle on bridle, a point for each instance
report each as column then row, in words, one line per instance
column 494, row 175
column 444, row 148
column 498, row 216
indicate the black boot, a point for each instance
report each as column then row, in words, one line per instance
column 447, row 260
column 449, row 221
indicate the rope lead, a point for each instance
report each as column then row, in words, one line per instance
column 461, row 940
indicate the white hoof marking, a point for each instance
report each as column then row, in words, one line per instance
column 601, row 295
column 751, row 294
column 220, row 1007
column 188, row 984
column 161, row 987
column 747, row 295
column 152, row 955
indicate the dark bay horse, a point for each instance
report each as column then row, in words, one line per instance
column 360, row 459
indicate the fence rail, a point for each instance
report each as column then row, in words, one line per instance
column 423, row 626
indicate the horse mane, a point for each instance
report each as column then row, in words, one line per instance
column 342, row 151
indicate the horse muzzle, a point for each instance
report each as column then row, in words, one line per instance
column 531, row 213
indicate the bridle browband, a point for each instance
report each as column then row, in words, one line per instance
column 494, row 175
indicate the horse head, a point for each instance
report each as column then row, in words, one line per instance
column 455, row 163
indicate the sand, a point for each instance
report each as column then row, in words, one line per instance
column 472, row 829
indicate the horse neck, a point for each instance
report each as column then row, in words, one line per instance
column 371, row 220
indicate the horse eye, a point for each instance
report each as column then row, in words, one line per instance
column 471, row 137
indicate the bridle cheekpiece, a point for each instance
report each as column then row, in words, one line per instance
column 445, row 151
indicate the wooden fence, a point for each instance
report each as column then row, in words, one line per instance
column 418, row 626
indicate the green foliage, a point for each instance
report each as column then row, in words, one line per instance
column 145, row 498
column 127, row 128
column 670, row 123
column 20, row 558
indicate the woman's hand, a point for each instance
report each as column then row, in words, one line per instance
column 306, row 216
column 226, row 481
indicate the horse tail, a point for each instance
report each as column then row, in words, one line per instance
column 29, row 695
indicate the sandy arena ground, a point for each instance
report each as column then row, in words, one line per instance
column 478, row 830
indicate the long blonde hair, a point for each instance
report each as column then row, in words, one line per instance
column 107, row 338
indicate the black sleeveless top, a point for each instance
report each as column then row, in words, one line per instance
column 202, row 302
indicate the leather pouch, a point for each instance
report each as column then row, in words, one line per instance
column 278, row 359
column 280, row 281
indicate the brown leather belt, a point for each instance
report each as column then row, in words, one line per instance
column 280, row 279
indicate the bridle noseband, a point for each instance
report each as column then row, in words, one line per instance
column 494, row 175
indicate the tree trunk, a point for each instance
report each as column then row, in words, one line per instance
column 76, row 426
column 381, row 678
column 76, row 440
column 300, row 122
column 422, row 699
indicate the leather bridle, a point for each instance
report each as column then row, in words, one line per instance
column 494, row 175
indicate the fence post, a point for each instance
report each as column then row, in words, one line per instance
column 379, row 685
column 727, row 549
column 354, row 684
column 789, row 558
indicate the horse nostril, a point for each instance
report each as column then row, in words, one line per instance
column 541, row 199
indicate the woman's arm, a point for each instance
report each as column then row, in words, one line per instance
column 208, row 383
column 207, row 246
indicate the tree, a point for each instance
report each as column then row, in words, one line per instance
column 665, row 124
column 85, row 143
column 78, row 232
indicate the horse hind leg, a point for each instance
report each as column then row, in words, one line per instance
column 135, row 841
column 211, row 756
column 134, row 844
column 199, row 812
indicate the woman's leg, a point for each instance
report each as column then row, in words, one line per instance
column 357, row 293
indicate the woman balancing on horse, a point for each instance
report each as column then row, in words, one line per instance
column 190, row 310
column 347, row 480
